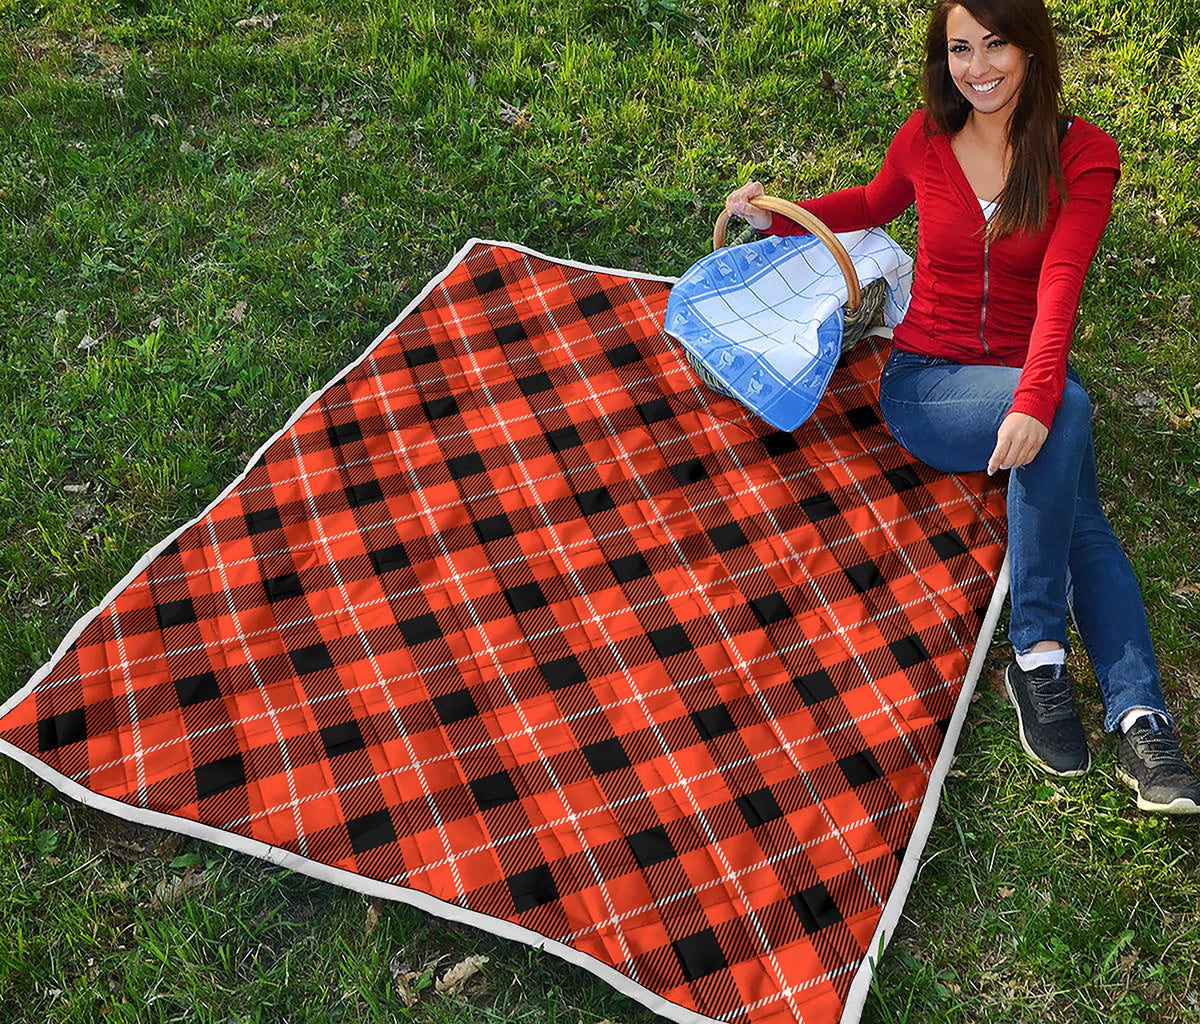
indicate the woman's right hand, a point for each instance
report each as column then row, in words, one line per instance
column 737, row 204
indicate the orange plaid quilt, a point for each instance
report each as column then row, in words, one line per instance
column 516, row 621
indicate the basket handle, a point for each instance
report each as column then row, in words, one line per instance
column 813, row 224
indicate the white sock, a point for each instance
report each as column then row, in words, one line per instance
column 1130, row 717
column 1036, row 659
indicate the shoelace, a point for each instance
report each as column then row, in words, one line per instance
column 1052, row 695
column 1158, row 749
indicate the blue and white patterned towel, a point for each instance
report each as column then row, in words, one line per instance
column 765, row 319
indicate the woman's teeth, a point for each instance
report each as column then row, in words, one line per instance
column 986, row 88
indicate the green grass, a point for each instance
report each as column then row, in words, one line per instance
column 160, row 166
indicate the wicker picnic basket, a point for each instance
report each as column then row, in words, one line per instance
column 864, row 305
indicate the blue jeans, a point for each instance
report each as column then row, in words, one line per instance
column 1062, row 550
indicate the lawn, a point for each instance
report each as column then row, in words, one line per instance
column 207, row 209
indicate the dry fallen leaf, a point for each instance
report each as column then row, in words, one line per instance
column 186, row 147
column 170, row 889
column 257, row 21
column 158, row 120
column 832, row 84
column 372, row 917
column 87, row 341
column 60, row 317
column 460, row 972
column 404, row 976
column 355, row 138
column 1005, row 891
column 511, row 115
column 1145, row 401
column 238, row 313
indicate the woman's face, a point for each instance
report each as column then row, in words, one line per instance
column 988, row 70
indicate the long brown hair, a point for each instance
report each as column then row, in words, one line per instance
column 1036, row 125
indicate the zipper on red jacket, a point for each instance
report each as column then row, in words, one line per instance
column 983, row 309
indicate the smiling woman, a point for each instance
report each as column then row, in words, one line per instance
column 1012, row 198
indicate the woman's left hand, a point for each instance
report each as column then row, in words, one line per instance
column 1018, row 440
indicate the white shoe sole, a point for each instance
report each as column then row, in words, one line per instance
column 1180, row 805
column 1073, row 773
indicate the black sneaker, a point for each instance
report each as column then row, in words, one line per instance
column 1149, row 760
column 1051, row 732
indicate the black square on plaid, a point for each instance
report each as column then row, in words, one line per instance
column 815, row 908
column 280, row 588
column 818, row 507
column 421, row 356
column 909, row 651
column 700, row 955
column 508, row 334
column 494, row 527
column 780, row 443
column 493, row 791
column 175, row 613
column 656, row 411
column 562, row 673
column 420, row 629
column 606, row 756
column 61, row 730
column 344, row 433
column 598, row 500
column 864, row 576
column 862, row 417
column 532, row 888
column 465, row 465
column 371, row 831
column 727, row 537
column 902, row 478
column 534, row 384
column 364, row 493
column 815, row 687
column 947, row 545
column 197, row 689
column 629, row 568
column 307, row 660
column 219, row 776
column 860, row 768
column 455, row 707
column 263, row 520
column 525, row 598
column 770, row 608
column 563, row 438
column 388, row 559
column 624, row 355
column 488, row 282
column 439, row 408
column 713, row 722
column 344, row 738
column 651, row 847
column 759, row 807
column 590, row 305
column 670, row 640
column 689, row 472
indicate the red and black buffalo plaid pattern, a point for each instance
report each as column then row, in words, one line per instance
column 519, row 615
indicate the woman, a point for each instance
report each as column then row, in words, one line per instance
column 1012, row 198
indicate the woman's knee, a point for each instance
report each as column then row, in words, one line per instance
column 1073, row 421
